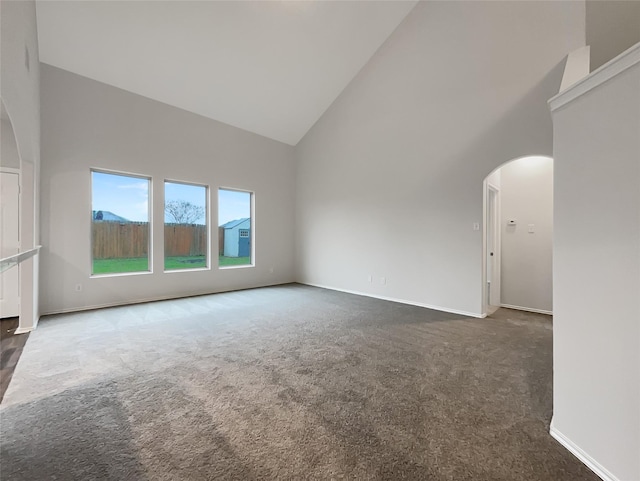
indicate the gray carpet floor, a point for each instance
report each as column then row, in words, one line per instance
column 287, row 382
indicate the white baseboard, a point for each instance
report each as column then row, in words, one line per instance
column 588, row 461
column 401, row 301
column 527, row 309
column 23, row 330
column 150, row 299
column 169, row 297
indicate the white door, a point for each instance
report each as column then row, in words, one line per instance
column 9, row 243
column 493, row 247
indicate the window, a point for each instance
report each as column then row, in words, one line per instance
column 185, row 226
column 119, row 223
column 235, row 240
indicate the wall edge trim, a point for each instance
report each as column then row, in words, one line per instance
column 527, row 309
column 619, row 64
column 395, row 299
column 579, row 453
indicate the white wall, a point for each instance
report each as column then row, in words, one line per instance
column 596, row 331
column 526, row 195
column 19, row 87
column 87, row 124
column 8, row 148
column 612, row 27
column 458, row 89
column 20, row 92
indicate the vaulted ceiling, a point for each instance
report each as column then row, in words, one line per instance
column 269, row 67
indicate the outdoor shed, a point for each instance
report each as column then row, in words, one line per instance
column 237, row 238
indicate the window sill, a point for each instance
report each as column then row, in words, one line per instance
column 193, row 269
column 119, row 274
column 245, row 266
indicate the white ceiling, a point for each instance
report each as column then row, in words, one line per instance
column 270, row 67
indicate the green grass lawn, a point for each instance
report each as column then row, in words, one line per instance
column 141, row 264
column 193, row 262
column 113, row 266
column 233, row 261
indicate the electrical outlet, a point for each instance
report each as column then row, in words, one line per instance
column 78, row 287
column 271, row 270
column 383, row 280
column 370, row 279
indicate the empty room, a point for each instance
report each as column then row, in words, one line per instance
column 320, row 240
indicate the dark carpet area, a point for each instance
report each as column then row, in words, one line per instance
column 288, row 382
column 11, row 346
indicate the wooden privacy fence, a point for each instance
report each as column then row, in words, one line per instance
column 117, row 240
column 113, row 240
column 185, row 240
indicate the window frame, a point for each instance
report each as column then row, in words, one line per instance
column 207, row 218
column 149, row 179
column 252, row 235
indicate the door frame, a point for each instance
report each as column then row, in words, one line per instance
column 486, row 239
column 494, row 265
column 17, row 172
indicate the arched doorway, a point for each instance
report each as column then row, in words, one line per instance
column 517, row 243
